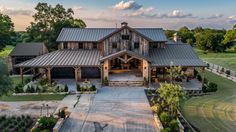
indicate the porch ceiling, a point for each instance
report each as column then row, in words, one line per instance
column 131, row 53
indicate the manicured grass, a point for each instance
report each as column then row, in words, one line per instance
column 32, row 97
column 6, row 51
column 227, row 59
column 215, row 112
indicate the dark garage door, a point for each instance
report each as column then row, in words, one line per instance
column 90, row 72
column 63, row 73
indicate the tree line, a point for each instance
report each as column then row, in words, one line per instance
column 48, row 22
column 207, row 39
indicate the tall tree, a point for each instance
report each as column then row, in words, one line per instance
column 6, row 30
column 170, row 33
column 48, row 22
column 230, row 35
column 186, row 35
column 5, row 83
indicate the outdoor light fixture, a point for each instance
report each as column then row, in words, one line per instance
column 105, row 68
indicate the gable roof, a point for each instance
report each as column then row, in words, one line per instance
column 125, row 52
column 98, row 34
column 29, row 49
column 179, row 54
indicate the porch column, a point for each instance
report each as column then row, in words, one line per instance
column 106, row 69
column 21, row 74
column 49, row 74
column 145, row 69
column 203, row 75
column 34, row 71
column 77, row 73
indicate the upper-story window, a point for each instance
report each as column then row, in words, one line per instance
column 65, row 45
column 95, row 46
column 136, row 45
column 125, row 37
column 114, row 45
column 80, row 46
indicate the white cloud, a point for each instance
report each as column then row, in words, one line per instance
column 11, row 11
column 179, row 14
column 232, row 19
column 215, row 16
column 77, row 8
column 141, row 12
column 127, row 5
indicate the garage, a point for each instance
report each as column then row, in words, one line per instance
column 63, row 73
column 90, row 72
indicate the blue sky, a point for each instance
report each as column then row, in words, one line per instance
column 169, row 14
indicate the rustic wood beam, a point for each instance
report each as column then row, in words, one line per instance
column 49, row 74
column 21, row 74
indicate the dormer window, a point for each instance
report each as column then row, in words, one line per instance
column 81, row 46
column 125, row 37
column 95, row 46
column 114, row 45
column 136, row 45
column 65, row 45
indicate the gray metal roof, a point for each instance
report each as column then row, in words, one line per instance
column 29, row 49
column 84, row 34
column 97, row 34
column 179, row 54
column 155, row 34
column 65, row 58
column 125, row 52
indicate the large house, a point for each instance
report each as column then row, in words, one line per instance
column 123, row 54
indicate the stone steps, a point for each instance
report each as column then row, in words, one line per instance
column 125, row 83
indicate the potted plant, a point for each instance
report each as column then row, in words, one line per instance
column 106, row 81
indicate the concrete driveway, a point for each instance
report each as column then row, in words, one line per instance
column 112, row 110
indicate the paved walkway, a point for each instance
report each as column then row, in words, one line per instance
column 112, row 110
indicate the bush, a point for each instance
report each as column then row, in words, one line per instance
column 199, row 77
column 205, row 81
column 145, row 81
column 166, row 130
column 78, row 87
column 93, row 88
column 204, row 88
column 66, row 88
column 46, row 123
column 17, row 89
column 222, row 70
column 106, row 81
column 159, row 109
column 62, row 114
column 212, row 87
column 27, row 80
column 227, row 72
column 164, row 117
column 36, row 130
column 174, row 125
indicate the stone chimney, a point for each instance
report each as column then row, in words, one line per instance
column 124, row 24
column 176, row 38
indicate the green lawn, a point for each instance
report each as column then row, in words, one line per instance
column 32, row 97
column 227, row 60
column 6, row 51
column 215, row 112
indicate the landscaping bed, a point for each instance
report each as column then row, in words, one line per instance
column 16, row 123
column 86, row 89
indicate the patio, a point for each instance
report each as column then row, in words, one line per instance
column 125, row 75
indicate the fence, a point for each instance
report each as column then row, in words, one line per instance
column 222, row 71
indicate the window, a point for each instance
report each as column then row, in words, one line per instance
column 114, row 45
column 125, row 37
column 136, row 45
column 95, row 46
column 65, row 45
column 81, row 46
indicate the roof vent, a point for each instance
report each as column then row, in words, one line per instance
column 123, row 24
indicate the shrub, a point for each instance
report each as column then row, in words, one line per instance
column 174, row 125
column 106, row 81
column 78, row 87
column 62, row 114
column 222, row 70
column 27, row 80
column 159, row 109
column 46, row 123
column 204, row 88
column 212, row 87
column 227, row 72
column 205, row 81
column 35, row 130
column 66, row 88
column 145, row 81
column 93, row 88
column 166, row 130
column 32, row 90
column 37, row 89
column 164, row 117
column 17, row 89
column 28, row 89
column 199, row 77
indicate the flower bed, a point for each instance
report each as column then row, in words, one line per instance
column 86, row 89
column 45, row 124
column 16, row 123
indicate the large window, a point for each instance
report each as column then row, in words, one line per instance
column 114, row 45
column 125, row 37
column 95, row 45
column 81, row 46
column 136, row 45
